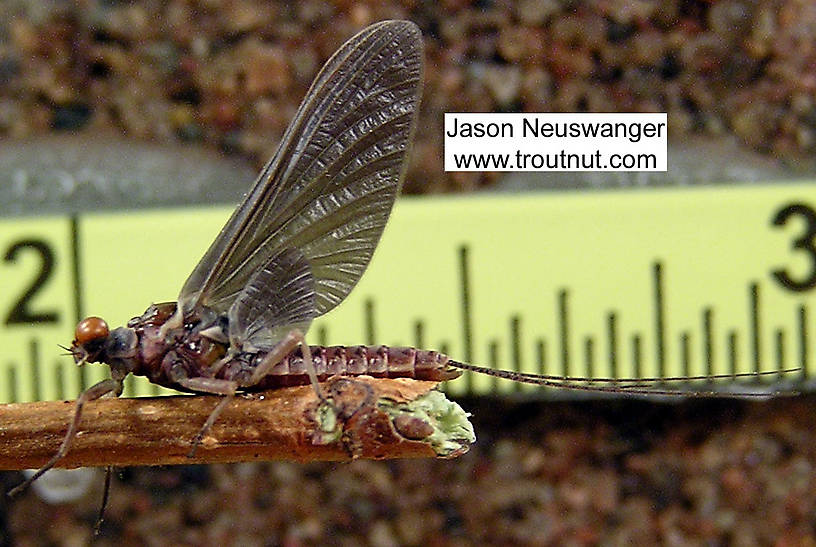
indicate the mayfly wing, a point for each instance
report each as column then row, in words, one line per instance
column 329, row 189
column 278, row 297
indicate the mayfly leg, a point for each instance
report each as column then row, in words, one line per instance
column 222, row 404
column 289, row 342
column 228, row 388
column 94, row 392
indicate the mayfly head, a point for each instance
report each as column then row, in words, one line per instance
column 94, row 342
column 89, row 340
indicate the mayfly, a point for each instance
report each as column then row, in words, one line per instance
column 292, row 251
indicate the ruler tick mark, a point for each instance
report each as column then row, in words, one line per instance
column 780, row 349
column 636, row 356
column 685, row 352
column 589, row 356
column 59, row 375
column 708, row 340
column 419, row 333
column 732, row 351
column 12, row 383
column 370, row 332
column 563, row 316
column 34, row 363
column 493, row 359
column 612, row 335
column 541, row 355
column 803, row 341
column 756, row 347
column 467, row 320
column 659, row 318
column 515, row 347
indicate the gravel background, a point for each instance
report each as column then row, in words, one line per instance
column 738, row 80
column 230, row 74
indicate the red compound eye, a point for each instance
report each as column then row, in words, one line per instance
column 89, row 329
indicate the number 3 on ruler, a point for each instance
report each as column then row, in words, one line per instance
column 805, row 243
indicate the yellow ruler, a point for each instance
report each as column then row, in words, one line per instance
column 625, row 283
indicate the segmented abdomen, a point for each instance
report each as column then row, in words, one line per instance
column 378, row 361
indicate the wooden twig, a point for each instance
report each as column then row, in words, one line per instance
column 372, row 418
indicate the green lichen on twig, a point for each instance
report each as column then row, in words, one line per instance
column 435, row 420
column 366, row 414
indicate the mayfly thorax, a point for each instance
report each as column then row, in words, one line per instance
column 292, row 251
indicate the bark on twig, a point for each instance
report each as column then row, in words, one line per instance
column 368, row 418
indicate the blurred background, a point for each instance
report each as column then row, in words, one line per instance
column 222, row 79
